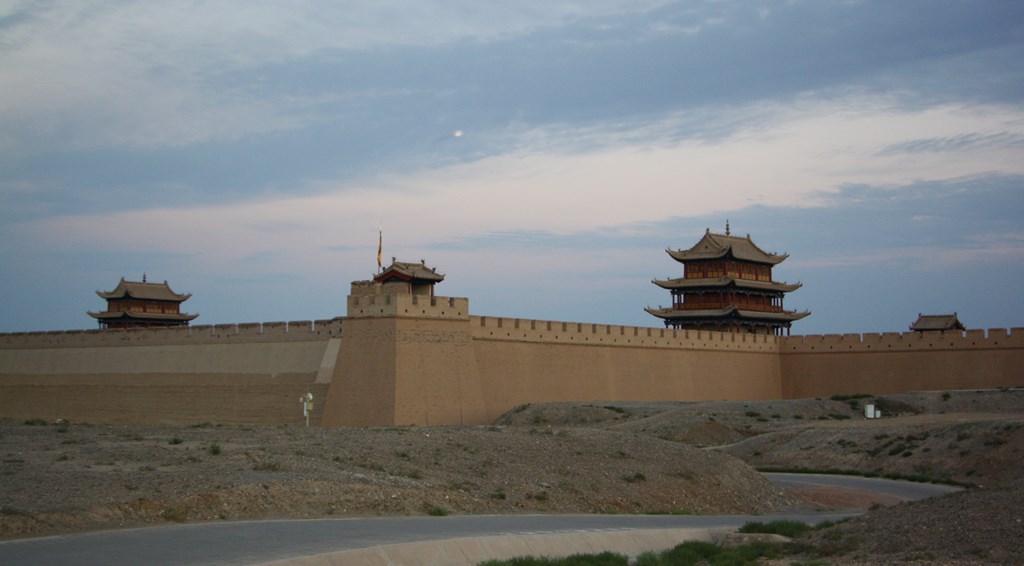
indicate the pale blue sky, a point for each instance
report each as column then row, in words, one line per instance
column 248, row 151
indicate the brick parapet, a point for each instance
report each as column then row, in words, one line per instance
column 995, row 338
column 407, row 306
column 293, row 331
column 578, row 333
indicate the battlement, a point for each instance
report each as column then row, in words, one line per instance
column 526, row 330
column 294, row 331
column 906, row 341
column 407, row 306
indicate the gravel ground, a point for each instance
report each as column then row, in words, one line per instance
column 61, row 478
column 979, row 526
column 558, row 458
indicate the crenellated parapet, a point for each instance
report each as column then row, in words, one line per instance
column 994, row 338
column 578, row 333
column 407, row 306
column 293, row 331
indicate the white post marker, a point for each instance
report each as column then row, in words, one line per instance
column 307, row 406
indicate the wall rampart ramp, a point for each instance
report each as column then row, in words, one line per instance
column 408, row 359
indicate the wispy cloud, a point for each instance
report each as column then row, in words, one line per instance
column 962, row 142
column 798, row 157
column 95, row 74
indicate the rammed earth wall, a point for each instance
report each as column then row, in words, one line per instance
column 816, row 366
column 238, row 373
column 402, row 359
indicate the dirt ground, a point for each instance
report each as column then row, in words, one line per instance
column 559, row 458
column 60, row 478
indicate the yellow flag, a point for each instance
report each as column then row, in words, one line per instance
column 380, row 247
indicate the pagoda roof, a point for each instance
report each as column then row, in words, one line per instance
column 155, row 316
column 719, row 282
column 726, row 312
column 406, row 271
column 715, row 246
column 144, row 290
column 927, row 322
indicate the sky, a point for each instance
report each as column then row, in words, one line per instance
column 543, row 155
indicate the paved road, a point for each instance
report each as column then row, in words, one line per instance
column 262, row 541
column 904, row 489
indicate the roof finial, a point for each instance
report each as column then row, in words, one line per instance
column 726, row 226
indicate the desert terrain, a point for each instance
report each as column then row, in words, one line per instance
column 614, row 457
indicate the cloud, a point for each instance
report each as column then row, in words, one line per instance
column 795, row 156
column 970, row 141
column 92, row 74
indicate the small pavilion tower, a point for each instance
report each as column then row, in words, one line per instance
column 134, row 304
column 408, row 278
column 937, row 323
column 727, row 286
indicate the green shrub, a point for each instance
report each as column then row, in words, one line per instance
column 603, row 559
column 174, row 440
column 435, row 511
column 784, row 528
column 213, row 449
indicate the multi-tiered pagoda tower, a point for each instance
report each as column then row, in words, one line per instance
column 135, row 304
column 727, row 286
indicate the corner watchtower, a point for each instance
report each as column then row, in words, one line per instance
column 406, row 355
column 404, row 290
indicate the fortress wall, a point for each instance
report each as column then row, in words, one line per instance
column 245, row 373
column 532, row 361
column 438, row 374
column 405, row 359
column 816, row 366
column 362, row 391
column 263, row 357
column 160, row 398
